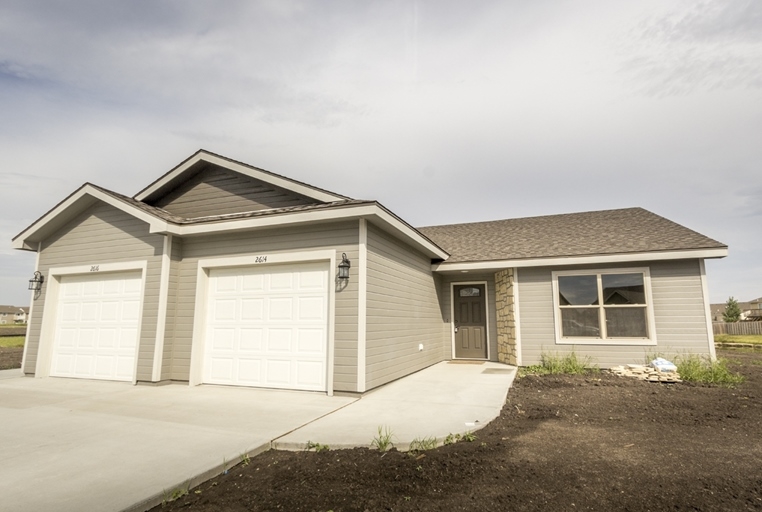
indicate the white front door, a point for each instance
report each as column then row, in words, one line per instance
column 267, row 326
column 97, row 325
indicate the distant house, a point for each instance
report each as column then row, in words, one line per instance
column 750, row 311
column 219, row 272
column 13, row 314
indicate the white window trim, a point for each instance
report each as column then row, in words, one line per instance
column 651, row 324
column 50, row 316
column 453, row 284
column 202, row 289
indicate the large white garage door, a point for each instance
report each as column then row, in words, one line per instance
column 97, row 326
column 268, row 326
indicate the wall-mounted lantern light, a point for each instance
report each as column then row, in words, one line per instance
column 36, row 282
column 344, row 268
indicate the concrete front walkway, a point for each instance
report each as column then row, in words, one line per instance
column 448, row 398
column 72, row 445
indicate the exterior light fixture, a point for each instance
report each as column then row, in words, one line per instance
column 36, row 282
column 344, row 268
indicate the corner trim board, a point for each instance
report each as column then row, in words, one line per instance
column 161, row 319
column 707, row 311
column 362, row 306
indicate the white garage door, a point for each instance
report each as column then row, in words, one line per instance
column 268, row 326
column 97, row 326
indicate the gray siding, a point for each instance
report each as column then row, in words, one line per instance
column 447, row 307
column 104, row 234
column 403, row 310
column 341, row 237
column 174, row 279
column 216, row 191
column 678, row 308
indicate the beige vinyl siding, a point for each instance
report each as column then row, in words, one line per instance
column 678, row 310
column 447, row 307
column 403, row 311
column 216, row 191
column 339, row 236
column 104, row 234
column 174, row 279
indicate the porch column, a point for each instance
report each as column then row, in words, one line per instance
column 506, row 322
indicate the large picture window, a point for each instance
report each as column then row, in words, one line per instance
column 602, row 305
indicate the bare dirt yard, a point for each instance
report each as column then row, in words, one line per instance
column 595, row 442
column 563, row 443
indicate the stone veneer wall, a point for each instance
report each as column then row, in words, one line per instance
column 506, row 320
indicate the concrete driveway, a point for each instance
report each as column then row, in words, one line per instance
column 75, row 445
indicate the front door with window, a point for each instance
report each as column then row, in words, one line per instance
column 470, row 321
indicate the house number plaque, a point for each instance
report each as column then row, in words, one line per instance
column 260, row 259
column 95, row 268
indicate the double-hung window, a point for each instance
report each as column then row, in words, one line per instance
column 603, row 306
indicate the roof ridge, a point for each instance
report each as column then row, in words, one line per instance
column 570, row 214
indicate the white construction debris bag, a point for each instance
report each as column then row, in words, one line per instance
column 663, row 365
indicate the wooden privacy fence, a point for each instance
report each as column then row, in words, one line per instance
column 738, row 328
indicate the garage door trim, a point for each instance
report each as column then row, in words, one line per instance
column 52, row 292
column 202, row 289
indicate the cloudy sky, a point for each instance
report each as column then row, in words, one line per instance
column 443, row 111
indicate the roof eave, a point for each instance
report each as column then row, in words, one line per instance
column 371, row 210
column 74, row 204
column 487, row 265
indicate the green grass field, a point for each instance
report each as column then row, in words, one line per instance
column 729, row 338
column 11, row 341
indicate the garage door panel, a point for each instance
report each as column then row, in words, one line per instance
column 221, row 368
column 281, row 280
column 280, row 324
column 97, row 326
column 252, row 283
column 279, row 340
column 88, row 312
column 250, row 339
column 225, row 284
column 252, row 310
column 128, row 338
column 310, row 341
column 312, row 280
column 308, row 373
column 130, row 311
column 312, row 309
column 281, row 309
column 223, row 339
column 278, row 371
column 250, row 371
column 224, row 309
column 107, row 338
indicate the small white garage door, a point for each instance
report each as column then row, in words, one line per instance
column 267, row 326
column 97, row 326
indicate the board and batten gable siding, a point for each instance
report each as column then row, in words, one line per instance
column 217, row 191
column 402, row 310
column 341, row 237
column 492, row 314
column 104, row 234
column 678, row 308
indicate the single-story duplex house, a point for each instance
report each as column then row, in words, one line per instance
column 219, row 272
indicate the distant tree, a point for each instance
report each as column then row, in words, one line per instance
column 732, row 311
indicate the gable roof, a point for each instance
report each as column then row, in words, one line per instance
column 624, row 232
column 202, row 158
column 162, row 222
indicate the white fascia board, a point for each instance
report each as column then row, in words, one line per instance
column 87, row 191
column 242, row 169
column 349, row 212
column 580, row 260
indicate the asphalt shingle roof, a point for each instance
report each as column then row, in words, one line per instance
column 628, row 230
